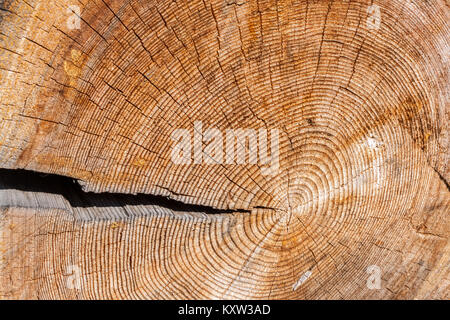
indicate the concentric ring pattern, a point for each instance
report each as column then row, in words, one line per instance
column 357, row 91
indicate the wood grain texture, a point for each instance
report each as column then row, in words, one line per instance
column 364, row 148
column 126, row 250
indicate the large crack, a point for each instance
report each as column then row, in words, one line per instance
column 69, row 189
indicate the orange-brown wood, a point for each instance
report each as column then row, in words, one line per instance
column 358, row 91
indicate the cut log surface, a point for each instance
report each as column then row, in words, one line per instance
column 354, row 94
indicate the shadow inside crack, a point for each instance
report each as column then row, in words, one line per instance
column 31, row 181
